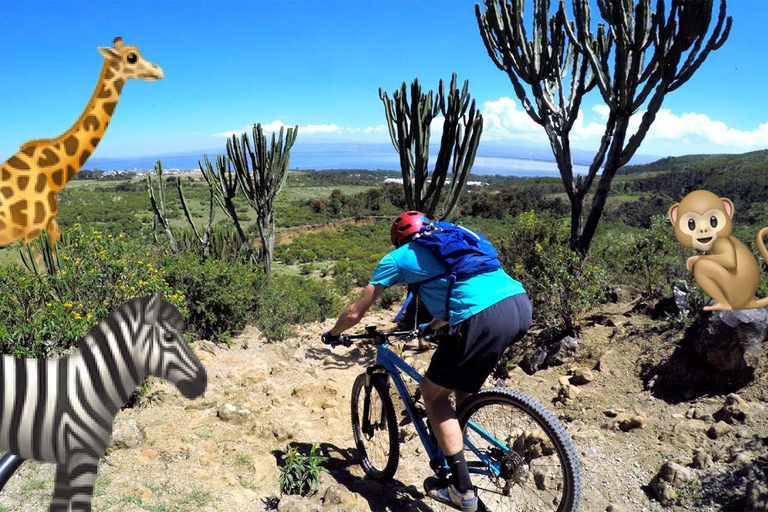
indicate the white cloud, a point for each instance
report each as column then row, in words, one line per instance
column 669, row 134
column 503, row 120
column 692, row 129
column 332, row 130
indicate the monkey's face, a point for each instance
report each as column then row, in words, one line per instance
column 701, row 218
column 703, row 229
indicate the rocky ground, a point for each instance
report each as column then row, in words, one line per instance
column 222, row 451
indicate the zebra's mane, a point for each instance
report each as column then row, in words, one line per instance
column 130, row 310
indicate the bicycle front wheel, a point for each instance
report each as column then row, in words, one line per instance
column 518, row 453
column 374, row 425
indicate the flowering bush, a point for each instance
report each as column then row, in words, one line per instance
column 88, row 276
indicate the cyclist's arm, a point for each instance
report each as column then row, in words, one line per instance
column 436, row 324
column 355, row 311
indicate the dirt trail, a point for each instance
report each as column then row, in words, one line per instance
column 221, row 451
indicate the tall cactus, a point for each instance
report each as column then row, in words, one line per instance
column 205, row 240
column 225, row 183
column 646, row 49
column 261, row 173
column 409, row 126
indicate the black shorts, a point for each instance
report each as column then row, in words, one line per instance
column 468, row 355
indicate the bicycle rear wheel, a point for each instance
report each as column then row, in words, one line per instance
column 374, row 425
column 519, row 454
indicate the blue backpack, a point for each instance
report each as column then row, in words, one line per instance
column 462, row 251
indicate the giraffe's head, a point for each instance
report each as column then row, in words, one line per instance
column 128, row 62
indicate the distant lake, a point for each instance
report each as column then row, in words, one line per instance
column 494, row 160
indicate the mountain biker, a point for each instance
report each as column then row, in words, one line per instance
column 487, row 313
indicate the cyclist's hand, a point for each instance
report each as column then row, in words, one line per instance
column 425, row 331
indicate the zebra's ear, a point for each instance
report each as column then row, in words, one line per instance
column 152, row 308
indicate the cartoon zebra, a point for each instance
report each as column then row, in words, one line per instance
column 62, row 410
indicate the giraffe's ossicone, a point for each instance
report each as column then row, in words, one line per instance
column 30, row 179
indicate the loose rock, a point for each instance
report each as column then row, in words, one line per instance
column 734, row 411
column 629, row 421
column 702, row 460
column 719, row 430
column 581, row 376
column 233, row 414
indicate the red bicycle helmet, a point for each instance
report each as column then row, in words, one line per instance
column 407, row 224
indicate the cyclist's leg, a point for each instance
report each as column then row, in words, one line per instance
column 436, row 389
column 442, row 416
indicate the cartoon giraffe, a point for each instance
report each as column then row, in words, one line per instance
column 30, row 179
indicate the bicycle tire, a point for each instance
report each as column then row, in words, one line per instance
column 372, row 458
column 540, row 443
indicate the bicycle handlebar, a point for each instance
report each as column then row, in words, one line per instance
column 372, row 333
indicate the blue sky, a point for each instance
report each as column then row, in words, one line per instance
column 319, row 64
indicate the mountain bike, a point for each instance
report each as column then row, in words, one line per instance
column 518, row 453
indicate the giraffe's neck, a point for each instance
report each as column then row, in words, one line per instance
column 61, row 158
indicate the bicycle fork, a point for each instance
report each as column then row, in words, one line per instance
column 369, row 427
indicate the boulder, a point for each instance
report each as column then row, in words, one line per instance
column 553, row 354
column 668, row 481
column 623, row 293
column 701, row 459
column 757, row 495
column 733, row 411
column 233, row 414
column 731, row 341
column 126, row 433
column 581, row 376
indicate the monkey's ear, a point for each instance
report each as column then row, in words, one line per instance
column 728, row 205
column 672, row 213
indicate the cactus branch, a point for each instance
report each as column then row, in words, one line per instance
column 160, row 215
column 225, row 183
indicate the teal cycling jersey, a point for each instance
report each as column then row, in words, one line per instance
column 413, row 263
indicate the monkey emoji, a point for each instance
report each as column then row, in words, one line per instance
column 729, row 272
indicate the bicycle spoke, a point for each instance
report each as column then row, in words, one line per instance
column 514, row 461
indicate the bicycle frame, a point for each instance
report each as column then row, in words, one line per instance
column 394, row 365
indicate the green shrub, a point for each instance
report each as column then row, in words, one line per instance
column 220, row 295
column 300, row 473
column 391, row 296
column 283, row 301
column 560, row 283
column 649, row 260
column 348, row 273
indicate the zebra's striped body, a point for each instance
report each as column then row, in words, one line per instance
column 62, row 410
